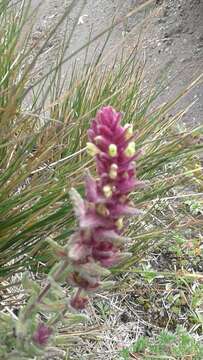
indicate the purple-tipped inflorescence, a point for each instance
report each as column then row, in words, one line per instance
column 98, row 243
column 42, row 334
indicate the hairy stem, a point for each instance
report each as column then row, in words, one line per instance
column 45, row 290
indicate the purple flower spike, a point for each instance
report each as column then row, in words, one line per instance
column 98, row 242
column 42, row 334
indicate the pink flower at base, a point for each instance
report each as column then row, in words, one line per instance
column 42, row 334
column 98, row 242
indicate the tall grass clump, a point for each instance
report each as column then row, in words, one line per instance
column 43, row 143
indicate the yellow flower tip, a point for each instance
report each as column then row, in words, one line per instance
column 102, row 210
column 112, row 151
column 113, row 171
column 92, row 149
column 119, row 223
column 107, row 191
column 130, row 149
column 129, row 131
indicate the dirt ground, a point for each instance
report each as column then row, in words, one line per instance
column 172, row 39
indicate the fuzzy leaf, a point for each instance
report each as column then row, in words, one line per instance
column 78, row 203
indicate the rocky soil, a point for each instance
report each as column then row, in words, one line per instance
column 172, row 40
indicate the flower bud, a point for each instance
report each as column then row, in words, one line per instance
column 130, row 149
column 92, row 149
column 107, row 191
column 112, row 151
column 128, row 131
column 42, row 334
column 102, row 210
column 119, row 223
column 113, row 171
